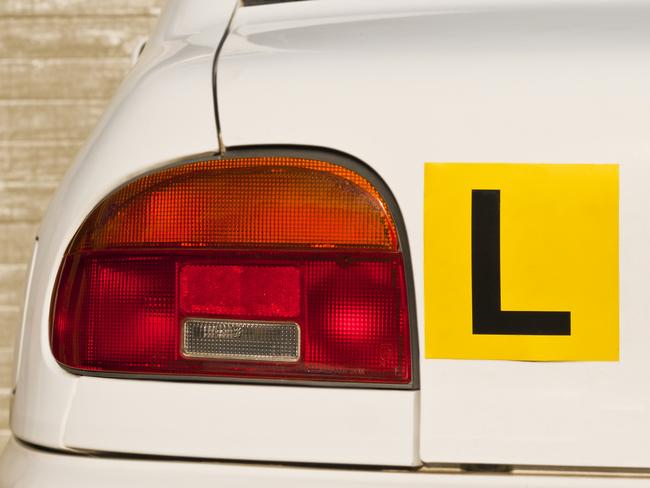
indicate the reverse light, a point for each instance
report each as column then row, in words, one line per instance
column 241, row 340
column 254, row 268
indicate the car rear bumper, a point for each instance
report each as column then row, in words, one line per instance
column 26, row 466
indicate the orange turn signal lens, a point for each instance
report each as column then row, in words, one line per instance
column 267, row 202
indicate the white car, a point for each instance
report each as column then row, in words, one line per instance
column 352, row 243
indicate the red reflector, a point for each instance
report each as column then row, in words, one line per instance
column 256, row 291
column 156, row 257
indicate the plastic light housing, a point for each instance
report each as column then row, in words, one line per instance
column 284, row 268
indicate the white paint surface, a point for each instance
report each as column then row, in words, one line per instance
column 398, row 83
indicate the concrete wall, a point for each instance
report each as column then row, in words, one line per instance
column 60, row 62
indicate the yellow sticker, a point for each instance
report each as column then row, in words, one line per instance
column 521, row 261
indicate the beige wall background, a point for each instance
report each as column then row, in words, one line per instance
column 60, row 63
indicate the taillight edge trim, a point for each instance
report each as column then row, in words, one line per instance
column 299, row 152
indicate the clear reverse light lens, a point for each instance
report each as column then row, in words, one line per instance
column 241, row 340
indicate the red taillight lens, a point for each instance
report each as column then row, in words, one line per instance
column 252, row 268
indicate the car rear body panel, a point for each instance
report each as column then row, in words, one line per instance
column 397, row 84
column 393, row 84
column 28, row 467
column 164, row 115
column 247, row 422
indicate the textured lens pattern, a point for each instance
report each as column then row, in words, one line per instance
column 126, row 313
column 241, row 340
column 250, row 202
column 162, row 265
column 223, row 289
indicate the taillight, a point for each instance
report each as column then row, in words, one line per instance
column 248, row 268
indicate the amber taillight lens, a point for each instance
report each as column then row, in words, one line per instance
column 251, row 268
